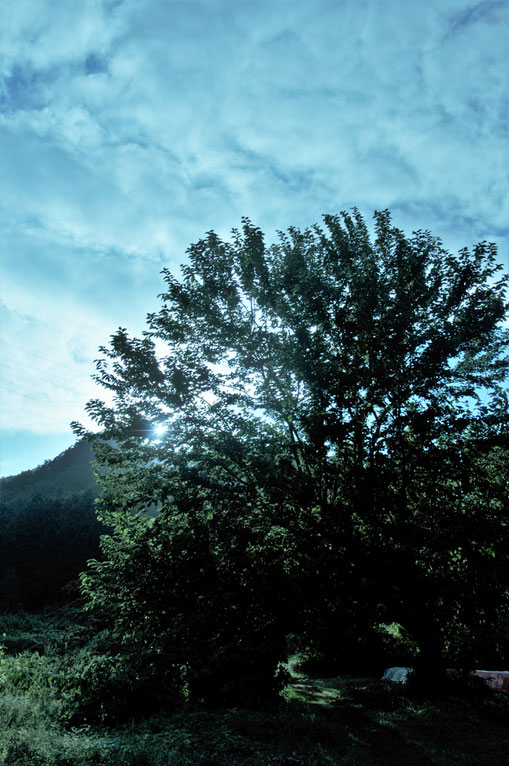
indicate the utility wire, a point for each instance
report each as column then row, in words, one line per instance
column 56, row 420
column 36, row 414
column 37, row 388
column 13, row 364
column 42, row 400
column 34, row 353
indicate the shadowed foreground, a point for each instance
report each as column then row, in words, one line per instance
column 385, row 726
column 342, row 721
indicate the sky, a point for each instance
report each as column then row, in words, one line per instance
column 130, row 128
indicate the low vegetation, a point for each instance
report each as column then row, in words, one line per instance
column 59, row 707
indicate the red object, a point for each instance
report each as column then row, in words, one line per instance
column 496, row 679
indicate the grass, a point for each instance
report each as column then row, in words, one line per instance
column 346, row 721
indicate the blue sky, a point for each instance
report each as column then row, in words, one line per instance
column 129, row 128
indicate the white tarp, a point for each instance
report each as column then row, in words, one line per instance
column 496, row 679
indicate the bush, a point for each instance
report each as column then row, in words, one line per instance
column 116, row 687
column 86, row 687
column 193, row 606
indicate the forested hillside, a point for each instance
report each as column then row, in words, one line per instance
column 68, row 473
column 48, row 530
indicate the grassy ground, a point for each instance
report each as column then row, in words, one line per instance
column 348, row 721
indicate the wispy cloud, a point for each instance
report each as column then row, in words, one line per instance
column 488, row 11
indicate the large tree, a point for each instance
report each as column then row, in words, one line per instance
column 310, row 436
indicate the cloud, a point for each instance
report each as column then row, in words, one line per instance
column 129, row 129
column 486, row 11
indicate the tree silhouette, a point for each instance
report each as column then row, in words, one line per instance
column 334, row 453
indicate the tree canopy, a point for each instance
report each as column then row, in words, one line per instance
column 310, row 438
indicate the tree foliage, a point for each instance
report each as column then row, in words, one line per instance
column 334, row 453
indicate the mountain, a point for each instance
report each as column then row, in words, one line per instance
column 70, row 473
column 48, row 531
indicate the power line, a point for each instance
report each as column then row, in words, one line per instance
column 56, row 420
column 39, row 391
column 36, row 414
column 34, row 353
column 40, row 399
column 27, row 396
column 13, row 364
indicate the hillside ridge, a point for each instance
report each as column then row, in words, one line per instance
column 68, row 473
